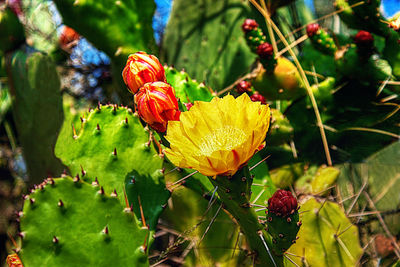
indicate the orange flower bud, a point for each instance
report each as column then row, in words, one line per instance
column 142, row 68
column 157, row 104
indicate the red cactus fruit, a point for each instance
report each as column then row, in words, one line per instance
column 265, row 50
column 312, row 29
column 243, row 87
column 282, row 203
column 364, row 38
column 249, row 25
column 258, row 97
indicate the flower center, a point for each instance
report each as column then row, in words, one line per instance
column 225, row 138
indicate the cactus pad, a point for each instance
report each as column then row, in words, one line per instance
column 210, row 45
column 282, row 220
column 326, row 237
column 37, row 110
column 187, row 89
column 113, row 146
column 71, row 223
column 11, row 31
column 281, row 131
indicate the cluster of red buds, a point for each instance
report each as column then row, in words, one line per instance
column 155, row 99
column 249, row 25
column 312, row 29
column 282, row 203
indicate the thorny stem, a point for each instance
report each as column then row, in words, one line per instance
column 234, row 193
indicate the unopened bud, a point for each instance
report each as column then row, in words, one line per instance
column 249, row 25
column 282, row 203
column 140, row 69
column 243, row 87
column 157, row 104
column 312, row 29
column 258, row 97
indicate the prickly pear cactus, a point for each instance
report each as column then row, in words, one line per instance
column 366, row 16
column 187, row 89
column 374, row 68
column 317, row 180
column 326, row 237
column 35, row 88
column 112, row 146
column 68, row 222
column 11, row 31
column 380, row 174
column 235, row 193
column 215, row 52
column 281, row 131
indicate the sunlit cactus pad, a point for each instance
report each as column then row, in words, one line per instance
column 326, row 237
column 111, row 144
column 187, row 89
column 66, row 222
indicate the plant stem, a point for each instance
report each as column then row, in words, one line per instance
column 234, row 192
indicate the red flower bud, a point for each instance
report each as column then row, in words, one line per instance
column 364, row 38
column 68, row 37
column 257, row 97
column 312, row 29
column 282, row 203
column 142, row 68
column 157, row 104
column 265, row 50
column 243, row 87
column 249, row 25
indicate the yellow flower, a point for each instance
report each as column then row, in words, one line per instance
column 218, row 137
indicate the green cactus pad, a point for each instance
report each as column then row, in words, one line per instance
column 187, row 89
column 283, row 231
column 366, row 16
column 380, row 172
column 280, row 131
column 11, row 31
column 37, row 110
column 391, row 52
column 284, row 176
column 374, row 69
column 71, row 223
column 326, row 237
column 113, row 146
column 209, row 44
column 235, row 194
column 317, row 180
